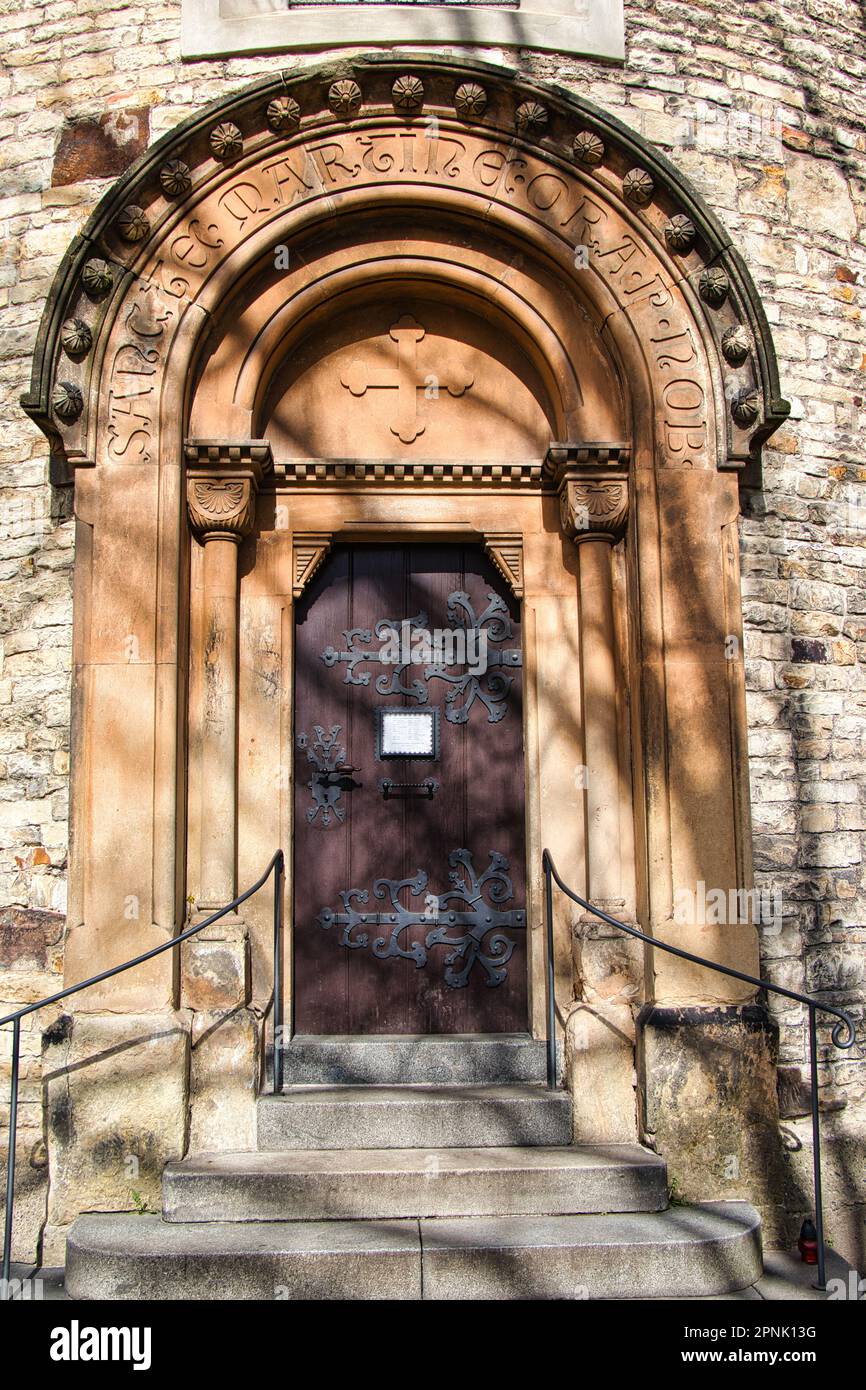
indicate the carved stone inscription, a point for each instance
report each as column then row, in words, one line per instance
column 134, row 367
column 559, row 199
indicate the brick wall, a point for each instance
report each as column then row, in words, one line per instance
column 763, row 106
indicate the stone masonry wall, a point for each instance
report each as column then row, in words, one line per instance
column 763, row 106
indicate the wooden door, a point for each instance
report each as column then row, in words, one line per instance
column 409, row 872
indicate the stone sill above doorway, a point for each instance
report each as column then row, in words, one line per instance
column 223, row 28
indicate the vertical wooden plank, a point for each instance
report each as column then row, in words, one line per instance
column 378, row 988
column 435, row 828
column 321, row 852
column 495, row 796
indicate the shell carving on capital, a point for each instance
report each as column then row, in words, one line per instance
column 221, row 506
column 593, row 507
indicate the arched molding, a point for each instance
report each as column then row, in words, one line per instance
column 154, row 258
column 267, row 344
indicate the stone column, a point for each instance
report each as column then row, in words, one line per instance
column 222, row 484
column 219, row 764
column 608, row 964
column 593, row 513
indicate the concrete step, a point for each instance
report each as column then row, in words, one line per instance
column 459, row 1059
column 686, row 1252
column 413, row 1117
column 374, row 1184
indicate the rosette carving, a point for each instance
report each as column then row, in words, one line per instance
column 713, row 286
column 226, row 140
column 67, row 401
column 283, row 115
column 588, row 148
column 344, row 97
column 97, row 279
column 132, row 224
column 407, row 95
column 638, row 187
column 736, row 345
column 76, row 338
column 470, row 100
column 680, row 234
column 175, row 179
column 531, row 118
column 746, row 407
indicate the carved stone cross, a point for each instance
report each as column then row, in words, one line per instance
column 407, row 378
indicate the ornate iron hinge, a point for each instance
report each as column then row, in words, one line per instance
column 490, row 687
column 476, row 934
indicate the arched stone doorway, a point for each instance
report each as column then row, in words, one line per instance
column 407, row 305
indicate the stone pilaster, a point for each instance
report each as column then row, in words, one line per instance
column 593, row 510
column 223, row 480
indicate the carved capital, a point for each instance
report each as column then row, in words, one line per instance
column 223, row 478
column 593, row 507
column 221, row 506
column 592, row 482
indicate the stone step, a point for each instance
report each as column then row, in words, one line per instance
column 375, row 1184
column 686, row 1252
column 413, row 1117
column 459, row 1059
column 144, row 1257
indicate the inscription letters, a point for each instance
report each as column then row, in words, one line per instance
column 556, row 198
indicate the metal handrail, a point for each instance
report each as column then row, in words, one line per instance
column 275, row 867
column 551, row 874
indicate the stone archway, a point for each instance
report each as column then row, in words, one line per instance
column 254, row 249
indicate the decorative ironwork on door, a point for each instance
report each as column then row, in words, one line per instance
column 477, row 933
column 404, row 645
column 331, row 777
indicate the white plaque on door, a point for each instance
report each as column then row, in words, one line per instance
column 405, row 733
